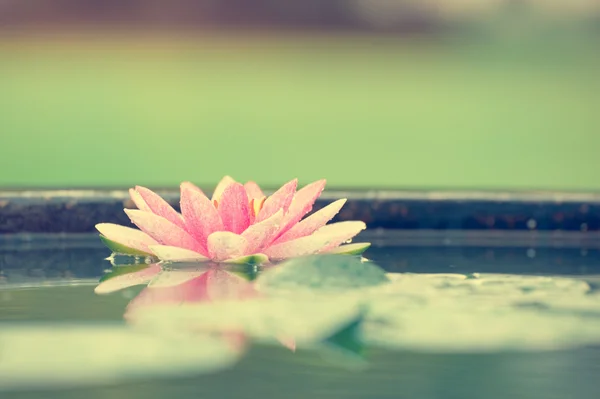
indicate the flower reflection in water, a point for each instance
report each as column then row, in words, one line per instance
column 223, row 300
column 186, row 283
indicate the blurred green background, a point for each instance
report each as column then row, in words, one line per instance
column 475, row 102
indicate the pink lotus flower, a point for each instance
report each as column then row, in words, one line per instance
column 239, row 224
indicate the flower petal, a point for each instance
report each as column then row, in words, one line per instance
column 223, row 184
column 253, row 190
column 340, row 232
column 233, row 208
column 199, row 213
column 176, row 254
column 140, row 275
column 159, row 206
column 260, row 234
column 351, row 249
column 194, row 187
column 223, row 245
column 313, row 222
column 126, row 236
column 139, row 201
column 302, row 204
column 281, row 199
column 121, row 249
column 326, row 238
column 163, row 231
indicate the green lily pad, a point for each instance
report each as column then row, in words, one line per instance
column 247, row 271
column 323, row 273
column 255, row 259
column 122, row 249
column 310, row 323
column 98, row 355
column 347, row 338
column 445, row 313
column 345, row 348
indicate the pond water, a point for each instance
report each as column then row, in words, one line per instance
column 442, row 316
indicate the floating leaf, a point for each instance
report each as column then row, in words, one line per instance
column 347, row 338
column 68, row 356
column 256, row 259
column 345, row 346
column 323, row 273
column 309, row 322
column 455, row 313
column 246, row 271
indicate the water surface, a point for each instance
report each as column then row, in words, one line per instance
column 457, row 320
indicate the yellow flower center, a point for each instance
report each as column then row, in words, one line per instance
column 255, row 204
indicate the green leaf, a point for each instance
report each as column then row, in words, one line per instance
column 345, row 348
column 247, row 272
column 309, row 322
column 59, row 356
column 122, row 249
column 347, row 338
column 323, row 273
column 255, row 259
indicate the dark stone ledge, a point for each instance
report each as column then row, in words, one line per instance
column 73, row 211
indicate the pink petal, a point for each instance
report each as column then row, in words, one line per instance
column 127, row 280
column 298, row 247
column 169, row 253
column 302, row 204
column 223, row 184
column 139, row 201
column 340, row 232
column 163, row 231
column 233, row 208
column 253, row 190
column 281, row 199
column 192, row 186
column 199, row 213
column 260, row 234
column 313, row 222
column 326, row 238
column 127, row 236
column 223, row 245
column 159, row 206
